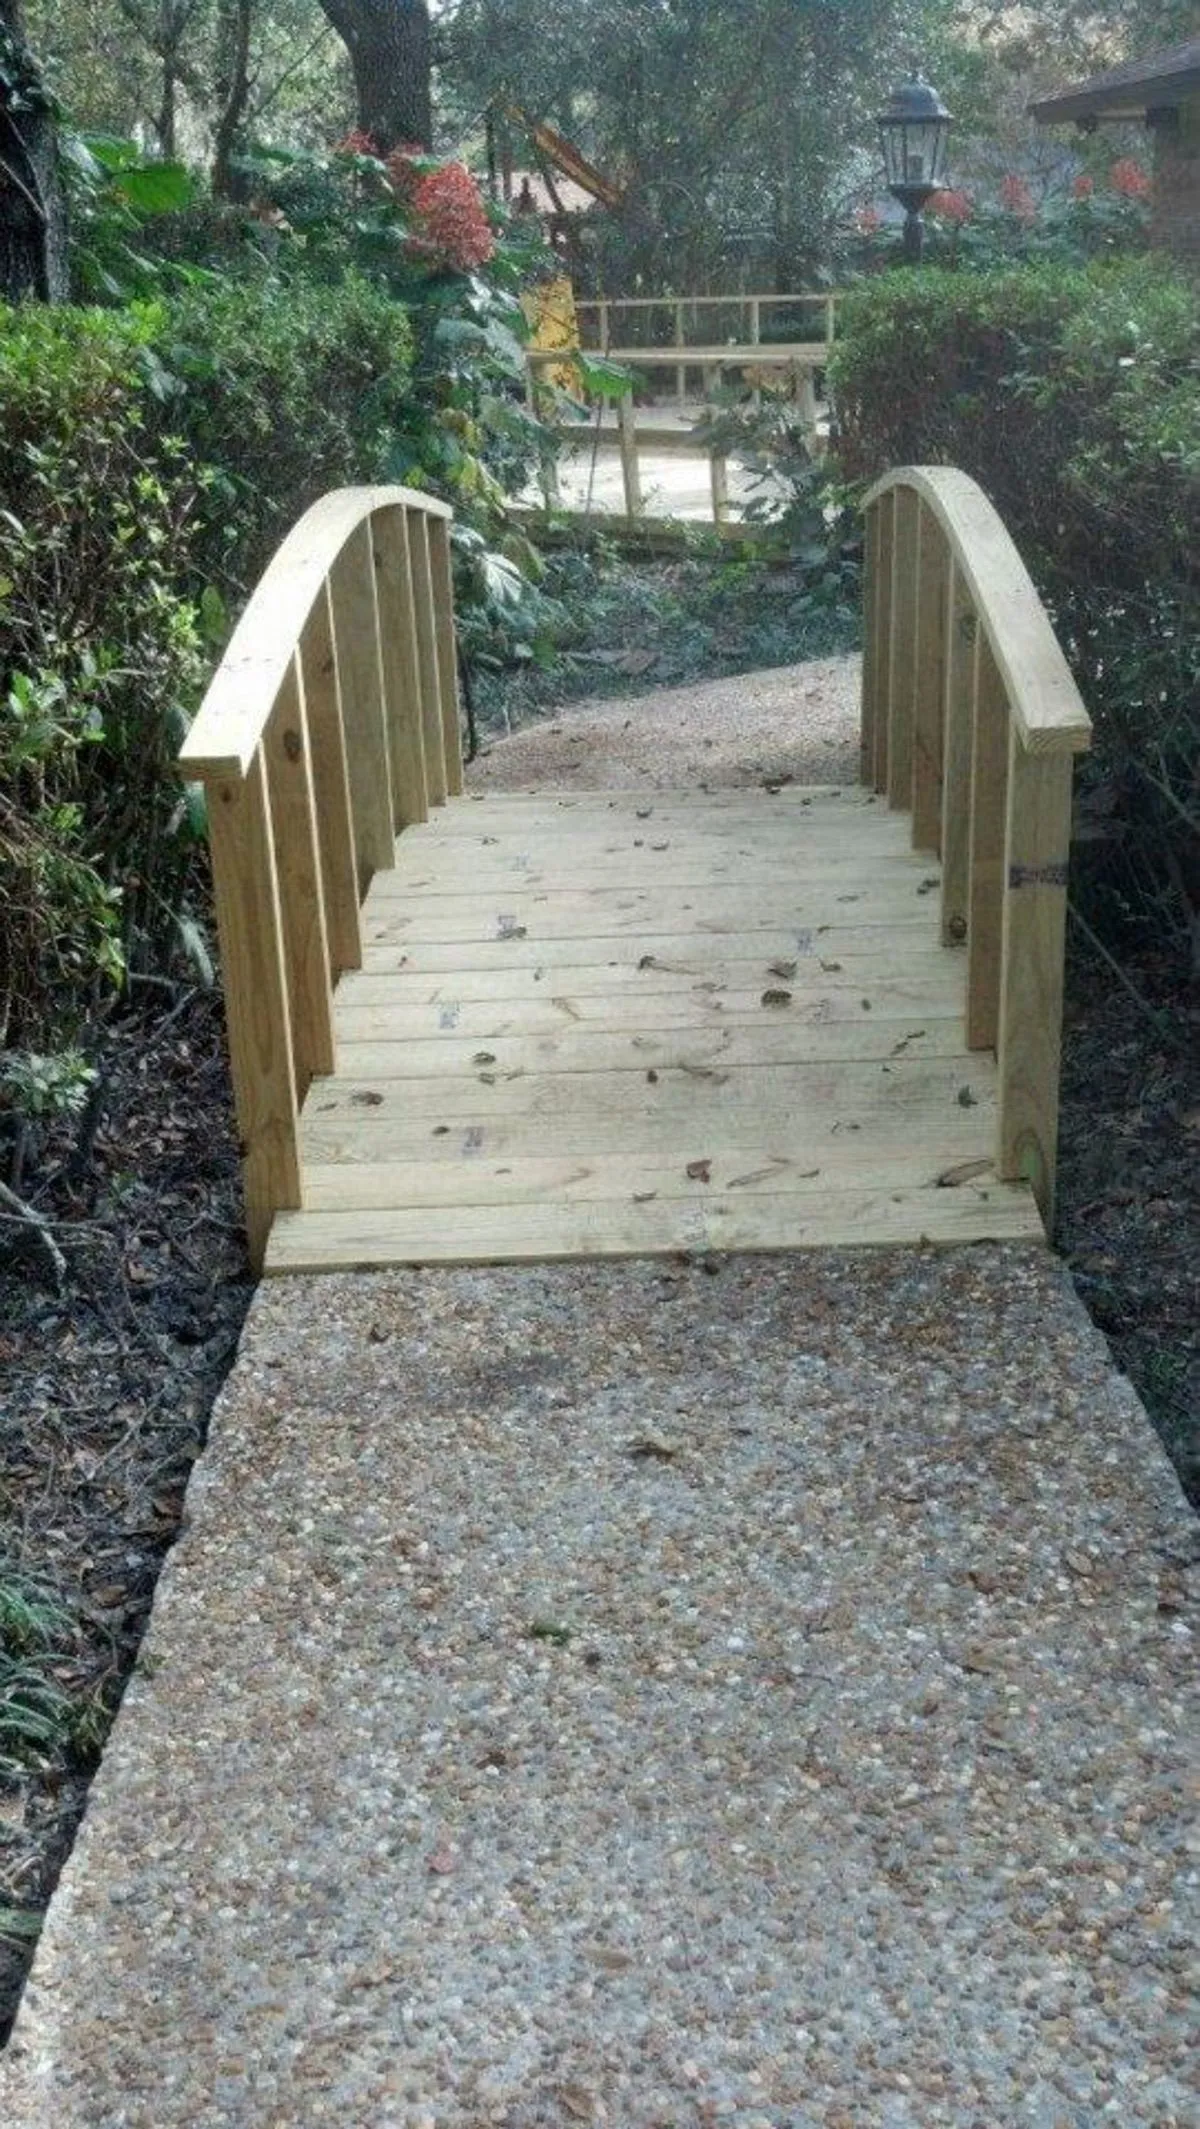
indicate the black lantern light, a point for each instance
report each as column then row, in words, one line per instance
column 914, row 130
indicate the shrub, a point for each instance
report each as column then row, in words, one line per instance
column 1073, row 398
column 282, row 390
column 99, row 660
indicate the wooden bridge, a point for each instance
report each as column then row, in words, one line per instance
column 486, row 1028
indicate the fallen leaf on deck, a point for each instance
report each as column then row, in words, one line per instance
column 784, row 969
column 965, row 1172
column 368, row 1099
column 699, row 1171
column 484, row 1057
column 904, row 1041
column 776, row 998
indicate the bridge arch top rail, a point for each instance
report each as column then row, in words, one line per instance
column 971, row 720
column 1043, row 699
column 331, row 724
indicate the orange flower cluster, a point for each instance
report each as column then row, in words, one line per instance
column 1016, row 198
column 1129, row 178
column 452, row 227
column 951, row 206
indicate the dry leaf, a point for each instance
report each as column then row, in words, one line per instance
column 965, row 1172
column 776, row 998
column 699, row 1171
column 367, row 1099
column 784, row 969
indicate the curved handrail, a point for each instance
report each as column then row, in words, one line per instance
column 1043, row 698
column 232, row 718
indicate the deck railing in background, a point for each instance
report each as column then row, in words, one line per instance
column 331, row 724
column 971, row 719
column 749, row 308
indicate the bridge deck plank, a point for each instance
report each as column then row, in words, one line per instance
column 558, row 1045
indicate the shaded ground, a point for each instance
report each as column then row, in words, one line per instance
column 105, row 1390
column 643, row 624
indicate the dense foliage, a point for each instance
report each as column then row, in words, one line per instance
column 1071, row 396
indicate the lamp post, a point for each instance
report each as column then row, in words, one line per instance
column 914, row 130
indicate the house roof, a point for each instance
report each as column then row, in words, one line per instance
column 1153, row 83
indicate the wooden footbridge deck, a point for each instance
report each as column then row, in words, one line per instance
column 478, row 1029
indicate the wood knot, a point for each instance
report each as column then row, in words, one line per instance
column 957, row 929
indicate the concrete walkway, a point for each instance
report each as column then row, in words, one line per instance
column 740, row 1692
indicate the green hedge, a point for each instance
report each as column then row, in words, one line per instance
column 1074, row 399
column 285, row 390
column 150, row 459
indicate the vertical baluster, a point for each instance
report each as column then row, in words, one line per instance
column 904, row 645
column 360, row 686
column 401, row 678
column 331, row 788
column 1036, row 857
column 933, row 568
column 870, row 680
column 961, row 670
column 427, row 667
column 442, row 576
column 257, row 1022
column 884, row 589
column 627, row 441
column 298, row 872
column 989, row 778
column 718, row 467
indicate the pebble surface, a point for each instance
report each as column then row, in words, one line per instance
column 661, row 1695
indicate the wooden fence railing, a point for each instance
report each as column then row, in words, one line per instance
column 330, row 725
column 971, row 718
column 749, row 307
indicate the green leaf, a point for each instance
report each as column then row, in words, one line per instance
column 603, row 379
column 155, row 188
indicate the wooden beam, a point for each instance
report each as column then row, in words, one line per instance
column 258, row 1026
column 360, row 687
column 960, row 675
column 442, row 577
column 989, row 780
column 331, row 789
column 432, row 730
column 301, row 893
column 929, row 680
column 1037, row 850
column 401, row 676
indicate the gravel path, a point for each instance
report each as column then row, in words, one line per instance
column 657, row 1696
column 794, row 721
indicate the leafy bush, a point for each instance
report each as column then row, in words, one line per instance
column 1073, row 398
column 281, row 390
column 99, row 660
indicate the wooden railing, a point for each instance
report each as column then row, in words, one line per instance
column 749, row 306
column 330, row 725
column 971, row 719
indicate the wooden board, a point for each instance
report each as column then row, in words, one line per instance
column 507, row 1234
column 597, row 1074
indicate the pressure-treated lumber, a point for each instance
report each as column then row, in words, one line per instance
column 929, row 659
column 433, row 723
column 320, row 1241
column 957, row 699
column 989, row 780
column 506, row 1097
column 299, row 885
column 1038, row 684
column 1031, row 978
column 442, row 583
column 400, row 670
column 356, row 650
column 331, row 788
column 229, row 725
column 257, row 1014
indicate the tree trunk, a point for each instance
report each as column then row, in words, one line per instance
column 33, row 223
column 233, row 89
column 391, row 56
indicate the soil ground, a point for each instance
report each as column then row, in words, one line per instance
column 105, row 1387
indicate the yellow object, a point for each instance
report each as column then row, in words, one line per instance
column 550, row 309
